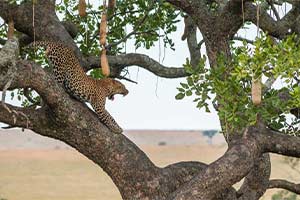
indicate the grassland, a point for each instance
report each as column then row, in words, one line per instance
column 64, row 174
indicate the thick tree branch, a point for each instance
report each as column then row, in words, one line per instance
column 278, row 29
column 25, row 39
column 257, row 181
column 279, row 183
column 34, row 116
column 227, row 170
column 198, row 10
column 134, row 59
column 74, row 123
column 190, row 33
column 275, row 142
column 131, row 170
column 47, row 25
column 192, row 7
column 230, row 18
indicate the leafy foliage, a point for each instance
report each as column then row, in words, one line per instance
column 228, row 85
column 147, row 21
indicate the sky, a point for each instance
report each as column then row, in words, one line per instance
column 151, row 103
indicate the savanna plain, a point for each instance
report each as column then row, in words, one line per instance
column 39, row 168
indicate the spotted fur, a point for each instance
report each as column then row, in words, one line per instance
column 67, row 71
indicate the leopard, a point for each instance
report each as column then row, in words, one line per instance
column 68, row 72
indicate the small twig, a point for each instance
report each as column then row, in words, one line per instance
column 270, row 2
column 14, row 112
column 8, row 127
column 22, row 114
column 60, row 2
column 132, row 32
column 96, row 34
column 200, row 44
column 127, row 79
column 129, row 35
column 2, row 41
column 123, row 13
column 216, row 107
column 268, row 84
column 27, row 95
column 7, row 85
column 243, row 39
column 297, row 80
column 31, row 100
column 257, row 18
column 2, row 25
column 284, row 184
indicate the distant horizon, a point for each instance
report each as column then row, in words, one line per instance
column 16, row 139
column 131, row 129
column 158, row 129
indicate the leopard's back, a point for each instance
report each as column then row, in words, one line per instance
column 61, row 58
column 67, row 70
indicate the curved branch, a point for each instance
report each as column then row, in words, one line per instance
column 185, row 171
column 33, row 116
column 47, row 24
column 279, row 143
column 284, row 184
column 121, row 61
column 227, row 170
column 72, row 122
column 257, row 181
column 278, row 29
column 190, row 33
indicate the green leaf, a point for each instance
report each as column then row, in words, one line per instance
column 180, row 89
column 188, row 93
column 179, row 96
column 190, row 81
column 184, row 85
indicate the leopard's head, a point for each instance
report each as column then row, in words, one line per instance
column 114, row 87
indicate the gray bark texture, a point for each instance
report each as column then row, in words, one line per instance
column 137, row 178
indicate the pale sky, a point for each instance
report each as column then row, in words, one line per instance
column 151, row 103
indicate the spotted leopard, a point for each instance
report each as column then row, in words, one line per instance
column 67, row 71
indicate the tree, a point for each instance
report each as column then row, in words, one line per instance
column 252, row 132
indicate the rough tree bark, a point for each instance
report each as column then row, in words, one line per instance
column 136, row 177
